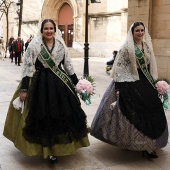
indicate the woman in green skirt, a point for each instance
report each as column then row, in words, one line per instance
column 52, row 123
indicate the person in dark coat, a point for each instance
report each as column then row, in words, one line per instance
column 18, row 48
column 11, row 51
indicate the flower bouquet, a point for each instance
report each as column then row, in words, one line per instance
column 163, row 89
column 85, row 88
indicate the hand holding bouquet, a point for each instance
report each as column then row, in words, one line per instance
column 85, row 90
column 163, row 88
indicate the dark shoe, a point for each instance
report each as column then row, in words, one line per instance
column 151, row 155
column 19, row 65
column 53, row 160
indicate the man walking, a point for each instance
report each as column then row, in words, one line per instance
column 18, row 48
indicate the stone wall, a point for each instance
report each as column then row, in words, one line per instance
column 160, row 27
column 107, row 27
column 156, row 16
column 138, row 10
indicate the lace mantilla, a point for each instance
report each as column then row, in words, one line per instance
column 33, row 50
column 125, row 65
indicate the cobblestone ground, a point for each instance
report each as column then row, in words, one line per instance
column 97, row 156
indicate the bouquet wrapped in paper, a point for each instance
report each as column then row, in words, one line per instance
column 85, row 90
column 163, row 89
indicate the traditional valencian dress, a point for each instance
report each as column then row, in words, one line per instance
column 136, row 119
column 53, row 122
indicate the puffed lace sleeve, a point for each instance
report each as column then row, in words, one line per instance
column 122, row 69
column 68, row 65
column 28, row 63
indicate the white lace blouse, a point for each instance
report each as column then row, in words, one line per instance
column 125, row 67
column 32, row 53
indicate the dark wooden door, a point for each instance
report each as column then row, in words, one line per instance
column 65, row 24
column 70, row 35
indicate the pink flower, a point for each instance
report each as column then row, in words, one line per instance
column 84, row 84
column 162, row 86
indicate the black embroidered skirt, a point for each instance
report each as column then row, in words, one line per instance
column 140, row 103
column 55, row 116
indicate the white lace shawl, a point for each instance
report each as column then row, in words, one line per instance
column 125, row 65
column 59, row 52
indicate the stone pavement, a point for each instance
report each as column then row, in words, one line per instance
column 98, row 156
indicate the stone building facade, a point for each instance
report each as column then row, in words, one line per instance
column 31, row 16
column 156, row 16
column 107, row 24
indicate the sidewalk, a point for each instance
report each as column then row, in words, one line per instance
column 98, row 156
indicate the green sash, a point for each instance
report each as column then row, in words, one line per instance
column 139, row 56
column 47, row 58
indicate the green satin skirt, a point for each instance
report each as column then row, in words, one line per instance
column 15, row 121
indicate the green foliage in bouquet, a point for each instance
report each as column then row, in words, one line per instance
column 162, row 86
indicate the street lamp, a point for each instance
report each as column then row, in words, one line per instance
column 86, row 44
column 19, row 12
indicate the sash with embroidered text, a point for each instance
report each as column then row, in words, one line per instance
column 64, row 77
column 139, row 56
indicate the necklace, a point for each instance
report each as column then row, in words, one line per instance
column 49, row 50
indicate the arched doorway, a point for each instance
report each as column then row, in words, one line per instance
column 65, row 24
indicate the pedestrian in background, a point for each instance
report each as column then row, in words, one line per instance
column 18, row 48
column 10, row 41
column 2, row 49
column 27, row 43
column 110, row 62
column 11, row 51
column 131, row 114
column 53, row 122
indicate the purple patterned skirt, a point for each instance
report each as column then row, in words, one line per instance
column 113, row 127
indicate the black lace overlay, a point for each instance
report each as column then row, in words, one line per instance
column 55, row 115
column 142, row 106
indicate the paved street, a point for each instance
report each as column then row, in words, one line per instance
column 98, row 156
